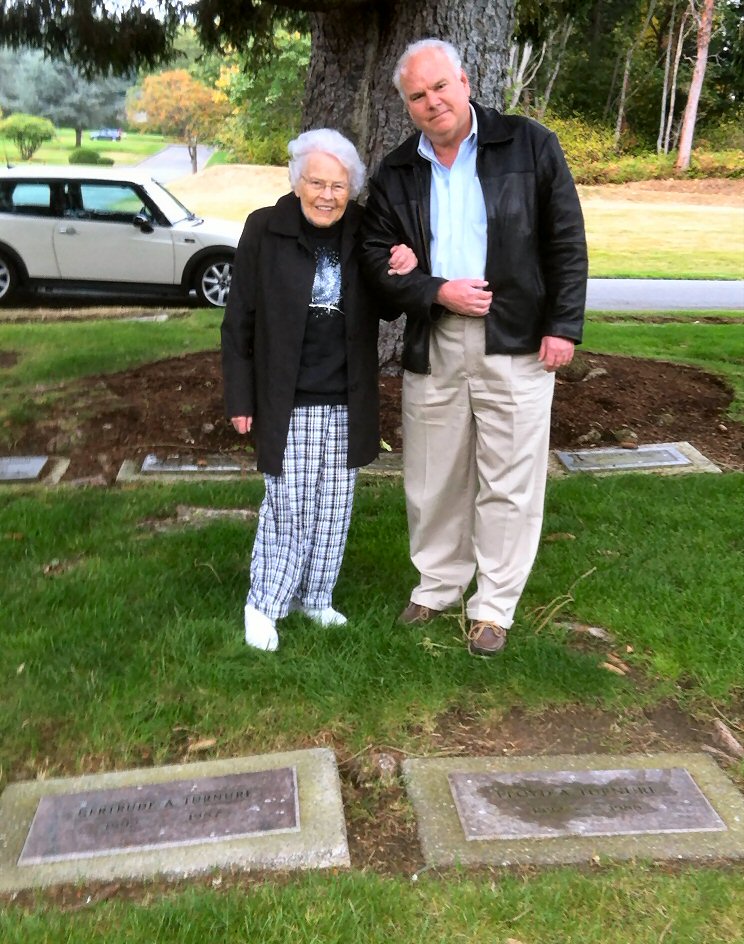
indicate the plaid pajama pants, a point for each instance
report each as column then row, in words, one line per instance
column 304, row 517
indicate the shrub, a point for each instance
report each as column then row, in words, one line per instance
column 725, row 135
column 717, row 163
column 27, row 132
column 590, row 154
column 584, row 143
column 83, row 155
column 255, row 149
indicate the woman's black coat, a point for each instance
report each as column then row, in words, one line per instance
column 264, row 327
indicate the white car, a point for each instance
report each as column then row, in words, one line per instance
column 108, row 230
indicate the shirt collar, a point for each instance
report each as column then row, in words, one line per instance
column 426, row 148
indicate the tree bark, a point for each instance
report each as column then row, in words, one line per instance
column 675, row 73
column 517, row 72
column 349, row 84
column 665, row 89
column 705, row 28
column 192, row 144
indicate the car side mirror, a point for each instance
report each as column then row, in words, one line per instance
column 142, row 223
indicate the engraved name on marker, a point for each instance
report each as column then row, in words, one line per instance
column 581, row 803
column 177, row 813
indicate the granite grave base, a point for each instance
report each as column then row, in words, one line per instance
column 32, row 470
column 677, row 458
column 569, row 808
column 176, row 468
column 271, row 811
column 179, row 468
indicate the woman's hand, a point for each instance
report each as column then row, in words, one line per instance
column 402, row 260
column 242, row 424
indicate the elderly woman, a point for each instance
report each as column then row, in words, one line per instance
column 299, row 356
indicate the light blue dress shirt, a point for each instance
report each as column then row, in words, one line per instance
column 458, row 211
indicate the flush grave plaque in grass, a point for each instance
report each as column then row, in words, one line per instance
column 272, row 811
column 177, row 813
column 185, row 465
column 571, row 808
column 617, row 459
column 580, row 803
column 22, row 468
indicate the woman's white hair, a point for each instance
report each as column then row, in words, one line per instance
column 420, row 46
column 326, row 141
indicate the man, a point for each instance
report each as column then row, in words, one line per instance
column 494, row 308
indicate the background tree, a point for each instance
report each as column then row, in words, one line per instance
column 173, row 103
column 539, row 43
column 27, row 132
column 266, row 101
column 58, row 91
column 355, row 44
column 704, row 18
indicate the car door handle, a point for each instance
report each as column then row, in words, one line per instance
column 68, row 230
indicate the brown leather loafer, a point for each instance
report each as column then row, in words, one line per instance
column 415, row 613
column 485, row 638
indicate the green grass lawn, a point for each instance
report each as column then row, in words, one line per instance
column 134, row 147
column 639, row 904
column 120, row 643
column 124, row 634
column 664, row 241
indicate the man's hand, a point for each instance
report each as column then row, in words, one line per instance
column 242, row 424
column 556, row 352
column 465, row 297
column 402, row 260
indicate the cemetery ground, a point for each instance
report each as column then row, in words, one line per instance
column 122, row 643
column 122, row 640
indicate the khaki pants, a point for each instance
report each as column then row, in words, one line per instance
column 475, row 450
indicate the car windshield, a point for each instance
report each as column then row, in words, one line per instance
column 173, row 208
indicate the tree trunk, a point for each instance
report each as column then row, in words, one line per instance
column 619, row 121
column 665, row 89
column 349, row 84
column 564, row 34
column 611, row 89
column 192, row 144
column 705, row 28
column 517, row 76
column 675, row 73
column 78, row 137
column 626, row 75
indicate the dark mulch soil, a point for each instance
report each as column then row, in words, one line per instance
column 174, row 406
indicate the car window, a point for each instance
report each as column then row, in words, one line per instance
column 108, row 202
column 28, row 198
column 170, row 205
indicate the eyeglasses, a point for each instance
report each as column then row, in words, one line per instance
column 337, row 188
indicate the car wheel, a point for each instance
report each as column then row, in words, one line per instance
column 212, row 281
column 8, row 279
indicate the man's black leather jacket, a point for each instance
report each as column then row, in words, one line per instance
column 536, row 260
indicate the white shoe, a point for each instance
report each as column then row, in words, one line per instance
column 326, row 616
column 260, row 630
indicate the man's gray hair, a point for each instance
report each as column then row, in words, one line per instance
column 420, row 46
column 326, row 141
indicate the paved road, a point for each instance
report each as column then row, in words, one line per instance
column 174, row 161
column 662, row 294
